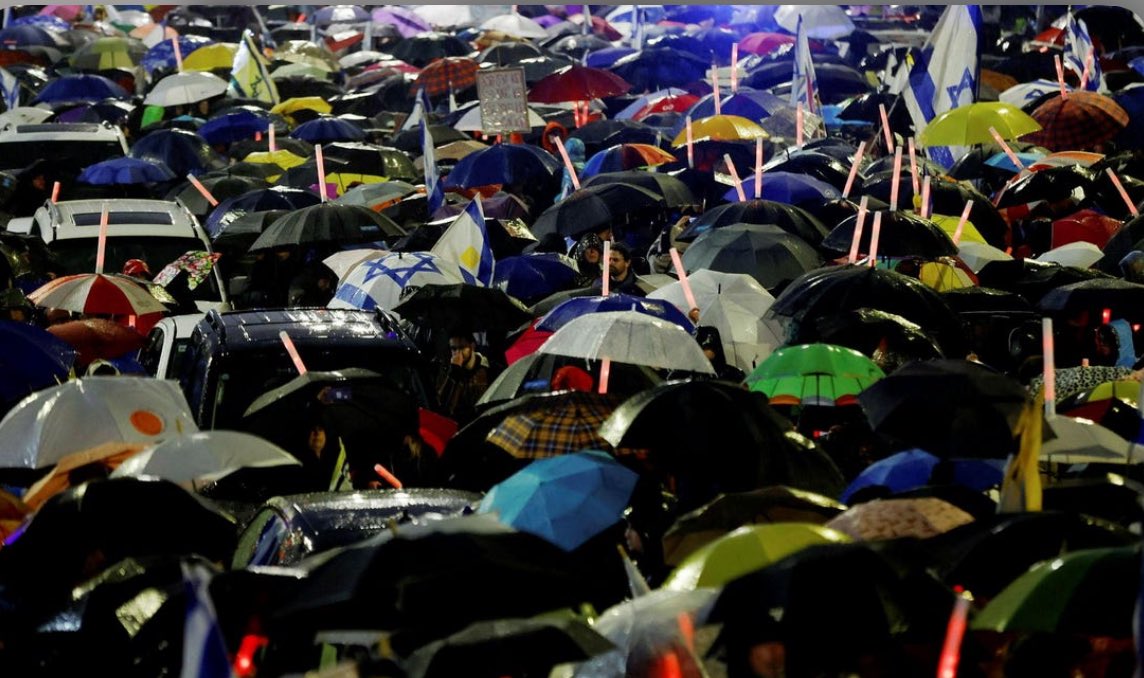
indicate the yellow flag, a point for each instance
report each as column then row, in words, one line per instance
column 1021, row 487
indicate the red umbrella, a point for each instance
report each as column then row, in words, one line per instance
column 95, row 338
column 764, row 43
column 577, row 83
column 449, row 72
column 1084, row 226
column 671, row 103
column 527, row 343
column 1080, row 122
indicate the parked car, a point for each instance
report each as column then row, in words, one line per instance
column 162, row 355
column 70, row 145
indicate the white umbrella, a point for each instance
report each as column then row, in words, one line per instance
column 77, row 415
column 629, row 337
column 1080, row 254
column 446, row 16
column 734, row 304
column 1080, row 441
column 204, row 457
column 304, row 70
column 187, row 87
column 378, row 282
column 976, row 254
column 471, row 121
column 824, row 22
column 515, row 25
column 343, row 262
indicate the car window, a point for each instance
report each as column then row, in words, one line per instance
column 152, row 351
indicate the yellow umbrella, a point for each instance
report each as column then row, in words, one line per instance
column 969, row 125
column 347, row 180
column 721, row 128
column 943, row 276
column 211, row 57
column 949, row 225
column 284, row 159
column 295, row 104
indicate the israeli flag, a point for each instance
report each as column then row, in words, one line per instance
column 466, row 242
column 420, row 110
column 943, row 76
column 9, row 89
column 433, row 188
column 804, row 86
column 1078, row 49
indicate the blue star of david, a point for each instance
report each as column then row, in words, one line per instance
column 956, row 90
column 401, row 276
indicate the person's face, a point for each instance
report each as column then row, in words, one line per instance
column 317, row 439
column 768, row 660
column 592, row 255
column 459, row 349
column 617, row 265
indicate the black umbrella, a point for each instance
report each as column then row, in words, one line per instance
column 419, row 50
column 327, row 224
column 767, row 253
column 834, row 212
column 950, row 408
column 539, row 67
column 675, row 193
column 306, row 86
column 576, row 46
column 478, row 309
column 903, row 234
column 372, row 159
column 504, row 54
column 257, row 170
column 1129, row 237
column 972, row 302
column 604, row 133
column 502, row 647
column 1114, row 27
column 239, row 232
column 837, row 289
column 791, row 219
column 722, row 439
column 868, row 331
column 1030, row 278
column 814, row 163
column 1122, row 298
column 836, row 82
column 258, row 200
column 1060, row 190
column 221, row 187
column 593, row 208
column 410, row 140
column 657, row 68
column 387, row 95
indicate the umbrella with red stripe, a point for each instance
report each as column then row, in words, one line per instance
column 441, row 75
column 577, row 83
column 764, row 43
column 96, row 293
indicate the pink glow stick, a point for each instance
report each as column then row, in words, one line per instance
column 759, row 168
column 961, row 223
column 854, row 169
column 292, row 351
column 875, row 234
column 1086, row 71
column 271, row 144
column 858, row 224
column 1061, row 77
column 799, row 130
column 604, row 284
column 715, row 87
column 734, row 68
column 387, row 476
column 690, row 144
column 688, row 294
column 954, row 633
column 914, row 166
column 605, row 371
column 321, row 171
column 1008, row 151
column 735, row 176
column 203, row 190
column 925, row 206
column 101, row 247
column 567, row 161
column 1123, row 193
column 178, row 53
column 886, row 128
column 896, row 180
column 56, row 192
column 1050, row 368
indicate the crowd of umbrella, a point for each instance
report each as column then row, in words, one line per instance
column 863, row 501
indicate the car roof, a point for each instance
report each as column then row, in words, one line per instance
column 80, row 218
column 60, row 131
column 305, row 325
column 316, row 513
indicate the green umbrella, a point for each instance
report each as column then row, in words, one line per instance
column 745, row 550
column 105, row 53
column 1088, row 592
column 814, row 374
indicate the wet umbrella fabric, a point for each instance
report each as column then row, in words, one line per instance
column 327, row 223
column 767, row 253
column 477, row 308
column 571, row 309
column 502, row 164
column 119, row 171
column 31, row 359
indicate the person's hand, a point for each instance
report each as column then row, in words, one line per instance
column 693, row 314
column 1137, row 375
column 456, row 359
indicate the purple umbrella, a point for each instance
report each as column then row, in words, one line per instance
column 548, row 20
column 499, row 206
column 405, row 21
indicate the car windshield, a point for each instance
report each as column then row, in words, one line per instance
column 77, row 255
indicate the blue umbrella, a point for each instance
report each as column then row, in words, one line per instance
column 661, row 67
column 126, row 171
column 31, row 359
column 341, row 14
column 567, row 499
column 1002, row 161
column 162, row 55
column 788, row 188
column 752, row 104
column 912, row 469
column 531, row 277
column 328, row 129
column 232, row 126
column 48, row 22
column 260, row 200
column 80, row 87
column 578, row 306
column 1132, row 101
column 503, row 164
column 183, row 151
column 604, row 58
column 27, row 36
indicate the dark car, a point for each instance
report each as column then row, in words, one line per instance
column 234, row 357
column 287, row 529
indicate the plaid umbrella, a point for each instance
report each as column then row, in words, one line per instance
column 441, row 75
column 560, row 428
column 1080, row 122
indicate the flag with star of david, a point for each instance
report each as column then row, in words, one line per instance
column 804, row 86
column 379, row 283
column 943, row 75
column 1078, row 49
column 466, row 242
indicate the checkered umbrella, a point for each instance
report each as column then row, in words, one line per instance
column 441, row 75
column 568, row 425
column 1079, row 122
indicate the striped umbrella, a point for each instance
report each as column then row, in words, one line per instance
column 98, row 294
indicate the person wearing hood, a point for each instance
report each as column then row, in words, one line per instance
column 711, row 342
column 588, row 253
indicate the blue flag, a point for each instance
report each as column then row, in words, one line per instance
column 943, row 76
column 433, row 189
column 9, row 89
column 804, row 86
column 1078, row 49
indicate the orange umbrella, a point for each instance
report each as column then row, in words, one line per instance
column 104, row 458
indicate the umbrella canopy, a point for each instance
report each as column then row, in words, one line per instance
column 378, row 283
column 478, row 308
column 327, row 223
column 767, row 253
column 567, row 499
column 657, row 68
column 911, row 469
column 789, row 188
column 80, row 414
column 1081, row 122
column 105, row 53
column 532, row 277
column 31, row 359
column 162, row 55
column 746, row 550
column 503, row 164
column 1080, row 441
column 895, row 518
column 978, row 408
column 407, row 22
column 970, row 125
column 96, row 293
column 675, row 193
column 566, row 425
column 903, row 234
column 814, row 374
column 257, row 200
column 422, row 49
column 95, row 338
column 108, row 456
column 183, row 151
column 446, row 75
column 576, row 307
column 577, row 83
column 591, row 208
column 822, row 22
column 126, row 171
column 1122, row 298
column 625, row 157
column 204, row 457
column 721, row 128
column 184, row 88
column 326, row 129
column 239, row 124
column 79, row 87
column 613, row 336
column 791, row 219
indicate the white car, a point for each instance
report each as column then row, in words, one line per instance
column 154, row 231
column 162, row 355
column 70, row 144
